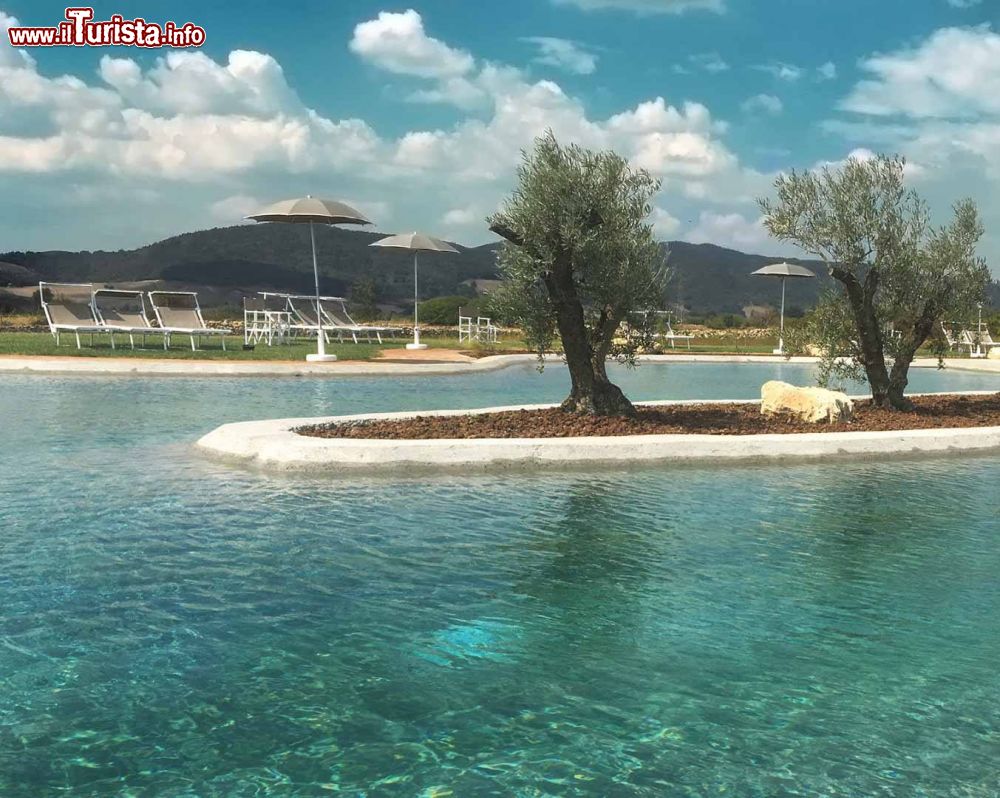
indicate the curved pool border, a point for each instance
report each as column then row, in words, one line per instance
column 274, row 445
column 162, row 367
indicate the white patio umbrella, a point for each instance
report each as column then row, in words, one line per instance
column 415, row 242
column 784, row 271
column 313, row 211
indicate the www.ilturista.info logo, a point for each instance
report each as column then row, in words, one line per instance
column 80, row 30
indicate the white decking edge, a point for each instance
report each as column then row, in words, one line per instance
column 152, row 367
column 274, row 445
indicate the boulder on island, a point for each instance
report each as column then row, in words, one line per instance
column 806, row 404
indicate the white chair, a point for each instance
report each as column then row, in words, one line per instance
column 482, row 329
column 266, row 318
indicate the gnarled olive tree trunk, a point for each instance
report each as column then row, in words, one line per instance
column 591, row 391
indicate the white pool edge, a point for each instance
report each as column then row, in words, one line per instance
column 141, row 367
column 274, row 445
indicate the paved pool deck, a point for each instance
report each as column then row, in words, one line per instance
column 431, row 362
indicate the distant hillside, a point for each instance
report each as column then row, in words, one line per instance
column 246, row 258
column 273, row 256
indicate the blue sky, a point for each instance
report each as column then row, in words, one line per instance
column 417, row 112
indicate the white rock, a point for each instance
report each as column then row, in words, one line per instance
column 806, row 404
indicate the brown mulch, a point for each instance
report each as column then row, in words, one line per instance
column 930, row 412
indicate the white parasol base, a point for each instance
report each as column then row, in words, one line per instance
column 321, row 358
column 416, row 346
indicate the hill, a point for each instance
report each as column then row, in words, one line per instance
column 229, row 261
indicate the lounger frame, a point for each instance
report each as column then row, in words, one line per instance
column 56, row 327
column 192, row 332
column 144, row 328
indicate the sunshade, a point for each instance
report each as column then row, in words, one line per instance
column 416, row 242
column 313, row 211
column 783, row 271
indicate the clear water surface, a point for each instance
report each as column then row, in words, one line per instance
column 172, row 626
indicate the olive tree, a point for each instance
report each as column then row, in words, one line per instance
column 896, row 276
column 578, row 257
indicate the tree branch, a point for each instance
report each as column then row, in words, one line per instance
column 506, row 233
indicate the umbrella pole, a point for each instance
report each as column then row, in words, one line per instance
column 781, row 333
column 416, row 304
column 321, row 354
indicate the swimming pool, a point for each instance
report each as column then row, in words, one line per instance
column 172, row 626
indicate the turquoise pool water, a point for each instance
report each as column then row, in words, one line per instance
column 171, row 626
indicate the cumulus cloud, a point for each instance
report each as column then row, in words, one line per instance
column 938, row 104
column 763, row 103
column 9, row 57
column 398, row 43
column 643, row 7
column 564, row 54
column 190, row 82
column 217, row 137
column 953, row 73
column 733, row 230
column 664, row 224
column 827, row 71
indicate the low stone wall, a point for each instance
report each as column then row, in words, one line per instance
column 275, row 445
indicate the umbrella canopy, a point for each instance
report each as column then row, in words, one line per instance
column 415, row 241
column 784, row 270
column 310, row 209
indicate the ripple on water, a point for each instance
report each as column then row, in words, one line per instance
column 171, row 626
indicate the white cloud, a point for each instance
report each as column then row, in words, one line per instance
column 9, row 57
column 953, row 73
column 963, row 3
column 712, row 63
column 763, row 103
column 398, row 43
column 664, row 224
column 461, row 217
column 233, row 209
column 827, row 71
column 216, row 137
column 782, row 71
column 938, row 104
column 731, row 230
column 191, row 83
column 564, row 54
column 643, row 7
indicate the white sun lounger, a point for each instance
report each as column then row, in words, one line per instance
column 124, row 311
column 69, row 307
column 979, row 343
column 335, row 318
column 178, row 312
column 335, row 310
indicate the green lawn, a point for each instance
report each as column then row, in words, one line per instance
column 37, row 343
column 21, row 343
column 28, row 343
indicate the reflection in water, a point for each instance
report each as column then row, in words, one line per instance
column 173, row 626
